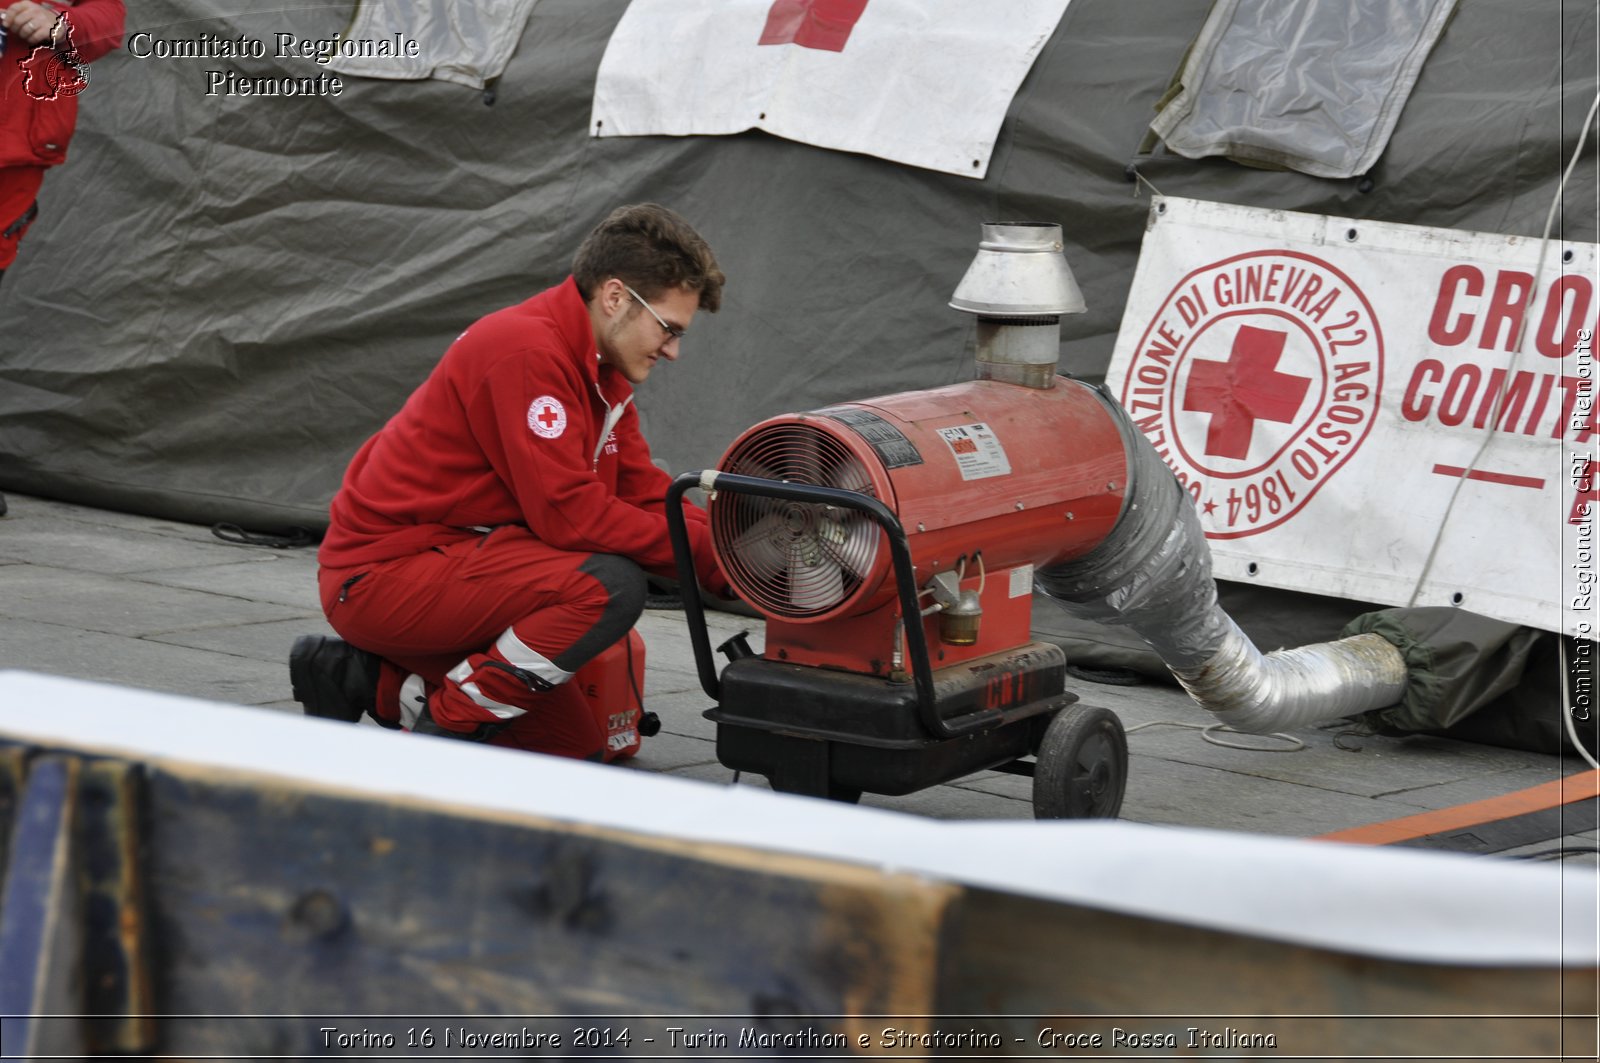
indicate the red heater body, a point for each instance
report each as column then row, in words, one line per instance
column 865, row 684
column 973, row 471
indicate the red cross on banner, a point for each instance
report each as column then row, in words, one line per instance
column 1243, row 390
column 821, row 24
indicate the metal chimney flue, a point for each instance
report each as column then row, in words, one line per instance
column 1019, row 285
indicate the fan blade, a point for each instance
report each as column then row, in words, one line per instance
column 807, row 460
column 851, row 541
column 815, row 580
column 851, row 475
column 764, row 545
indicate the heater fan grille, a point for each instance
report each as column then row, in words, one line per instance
column 795, row 559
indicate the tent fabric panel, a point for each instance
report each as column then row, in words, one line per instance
column 224, row 296
column 1309, row 85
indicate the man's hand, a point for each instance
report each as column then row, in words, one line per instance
column 35, row 24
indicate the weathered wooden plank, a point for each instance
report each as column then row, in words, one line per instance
column 41, row 916
column 1071, row 974
column 117, row 987
column 13, row 775
column 272, row 901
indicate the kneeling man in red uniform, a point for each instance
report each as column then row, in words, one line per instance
column 494, row 536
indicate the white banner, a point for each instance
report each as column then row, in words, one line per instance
column 1388, row 413
column 922, row 82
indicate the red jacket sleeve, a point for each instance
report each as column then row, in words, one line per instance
column 640, row 483
column 96, row 26
column 551, row 474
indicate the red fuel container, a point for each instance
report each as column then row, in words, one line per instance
column 613, row 685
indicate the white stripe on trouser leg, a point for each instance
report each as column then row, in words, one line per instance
column 458, row 675
column 413, row 699
column 523, row 656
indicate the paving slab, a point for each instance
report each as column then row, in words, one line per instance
column 1003, row 784
column 135, row 662
column 55, row 541
column 1196, row 795
column 1181, row 794
column 119, row 606
column 1365, row 774
column 1486, row 784
column 268, row 640
column 1141, row 703
column 266, row 577
column 682, row 713
column 661, row 679
column 950, row 802
column 670, row 752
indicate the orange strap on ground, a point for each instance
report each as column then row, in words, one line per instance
column 1562, row 791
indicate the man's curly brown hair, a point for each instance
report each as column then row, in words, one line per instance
column 650, row 249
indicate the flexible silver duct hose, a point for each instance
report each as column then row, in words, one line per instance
column 1153, row 575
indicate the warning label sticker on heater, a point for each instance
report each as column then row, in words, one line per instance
column 1021, row 581
column 977, row 451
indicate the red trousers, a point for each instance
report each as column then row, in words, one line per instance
column 18, row 187
column 494, row 626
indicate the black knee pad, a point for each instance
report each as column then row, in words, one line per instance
column 625, row 586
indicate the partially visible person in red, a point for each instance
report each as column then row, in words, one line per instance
column 41, row 73
column 38, row 96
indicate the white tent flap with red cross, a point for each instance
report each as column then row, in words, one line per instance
column 1388, row 413
column 922, row 82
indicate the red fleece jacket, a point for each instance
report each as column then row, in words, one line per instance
column 35, row 132
column 510, row 429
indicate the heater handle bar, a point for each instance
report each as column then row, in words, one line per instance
column 899, row 554
column 688, row 586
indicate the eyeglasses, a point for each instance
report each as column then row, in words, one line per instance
column 672, row 330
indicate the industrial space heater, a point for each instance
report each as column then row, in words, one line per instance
column 891, row 546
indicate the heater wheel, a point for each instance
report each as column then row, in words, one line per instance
column 1082, row 765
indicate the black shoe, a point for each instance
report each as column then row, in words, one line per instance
column 484, row 732
column 334, row 680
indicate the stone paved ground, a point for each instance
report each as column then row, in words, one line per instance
column 168, row 606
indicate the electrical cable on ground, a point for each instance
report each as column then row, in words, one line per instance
column 293, row 538
column 1210, row 731
column 1106, row 675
